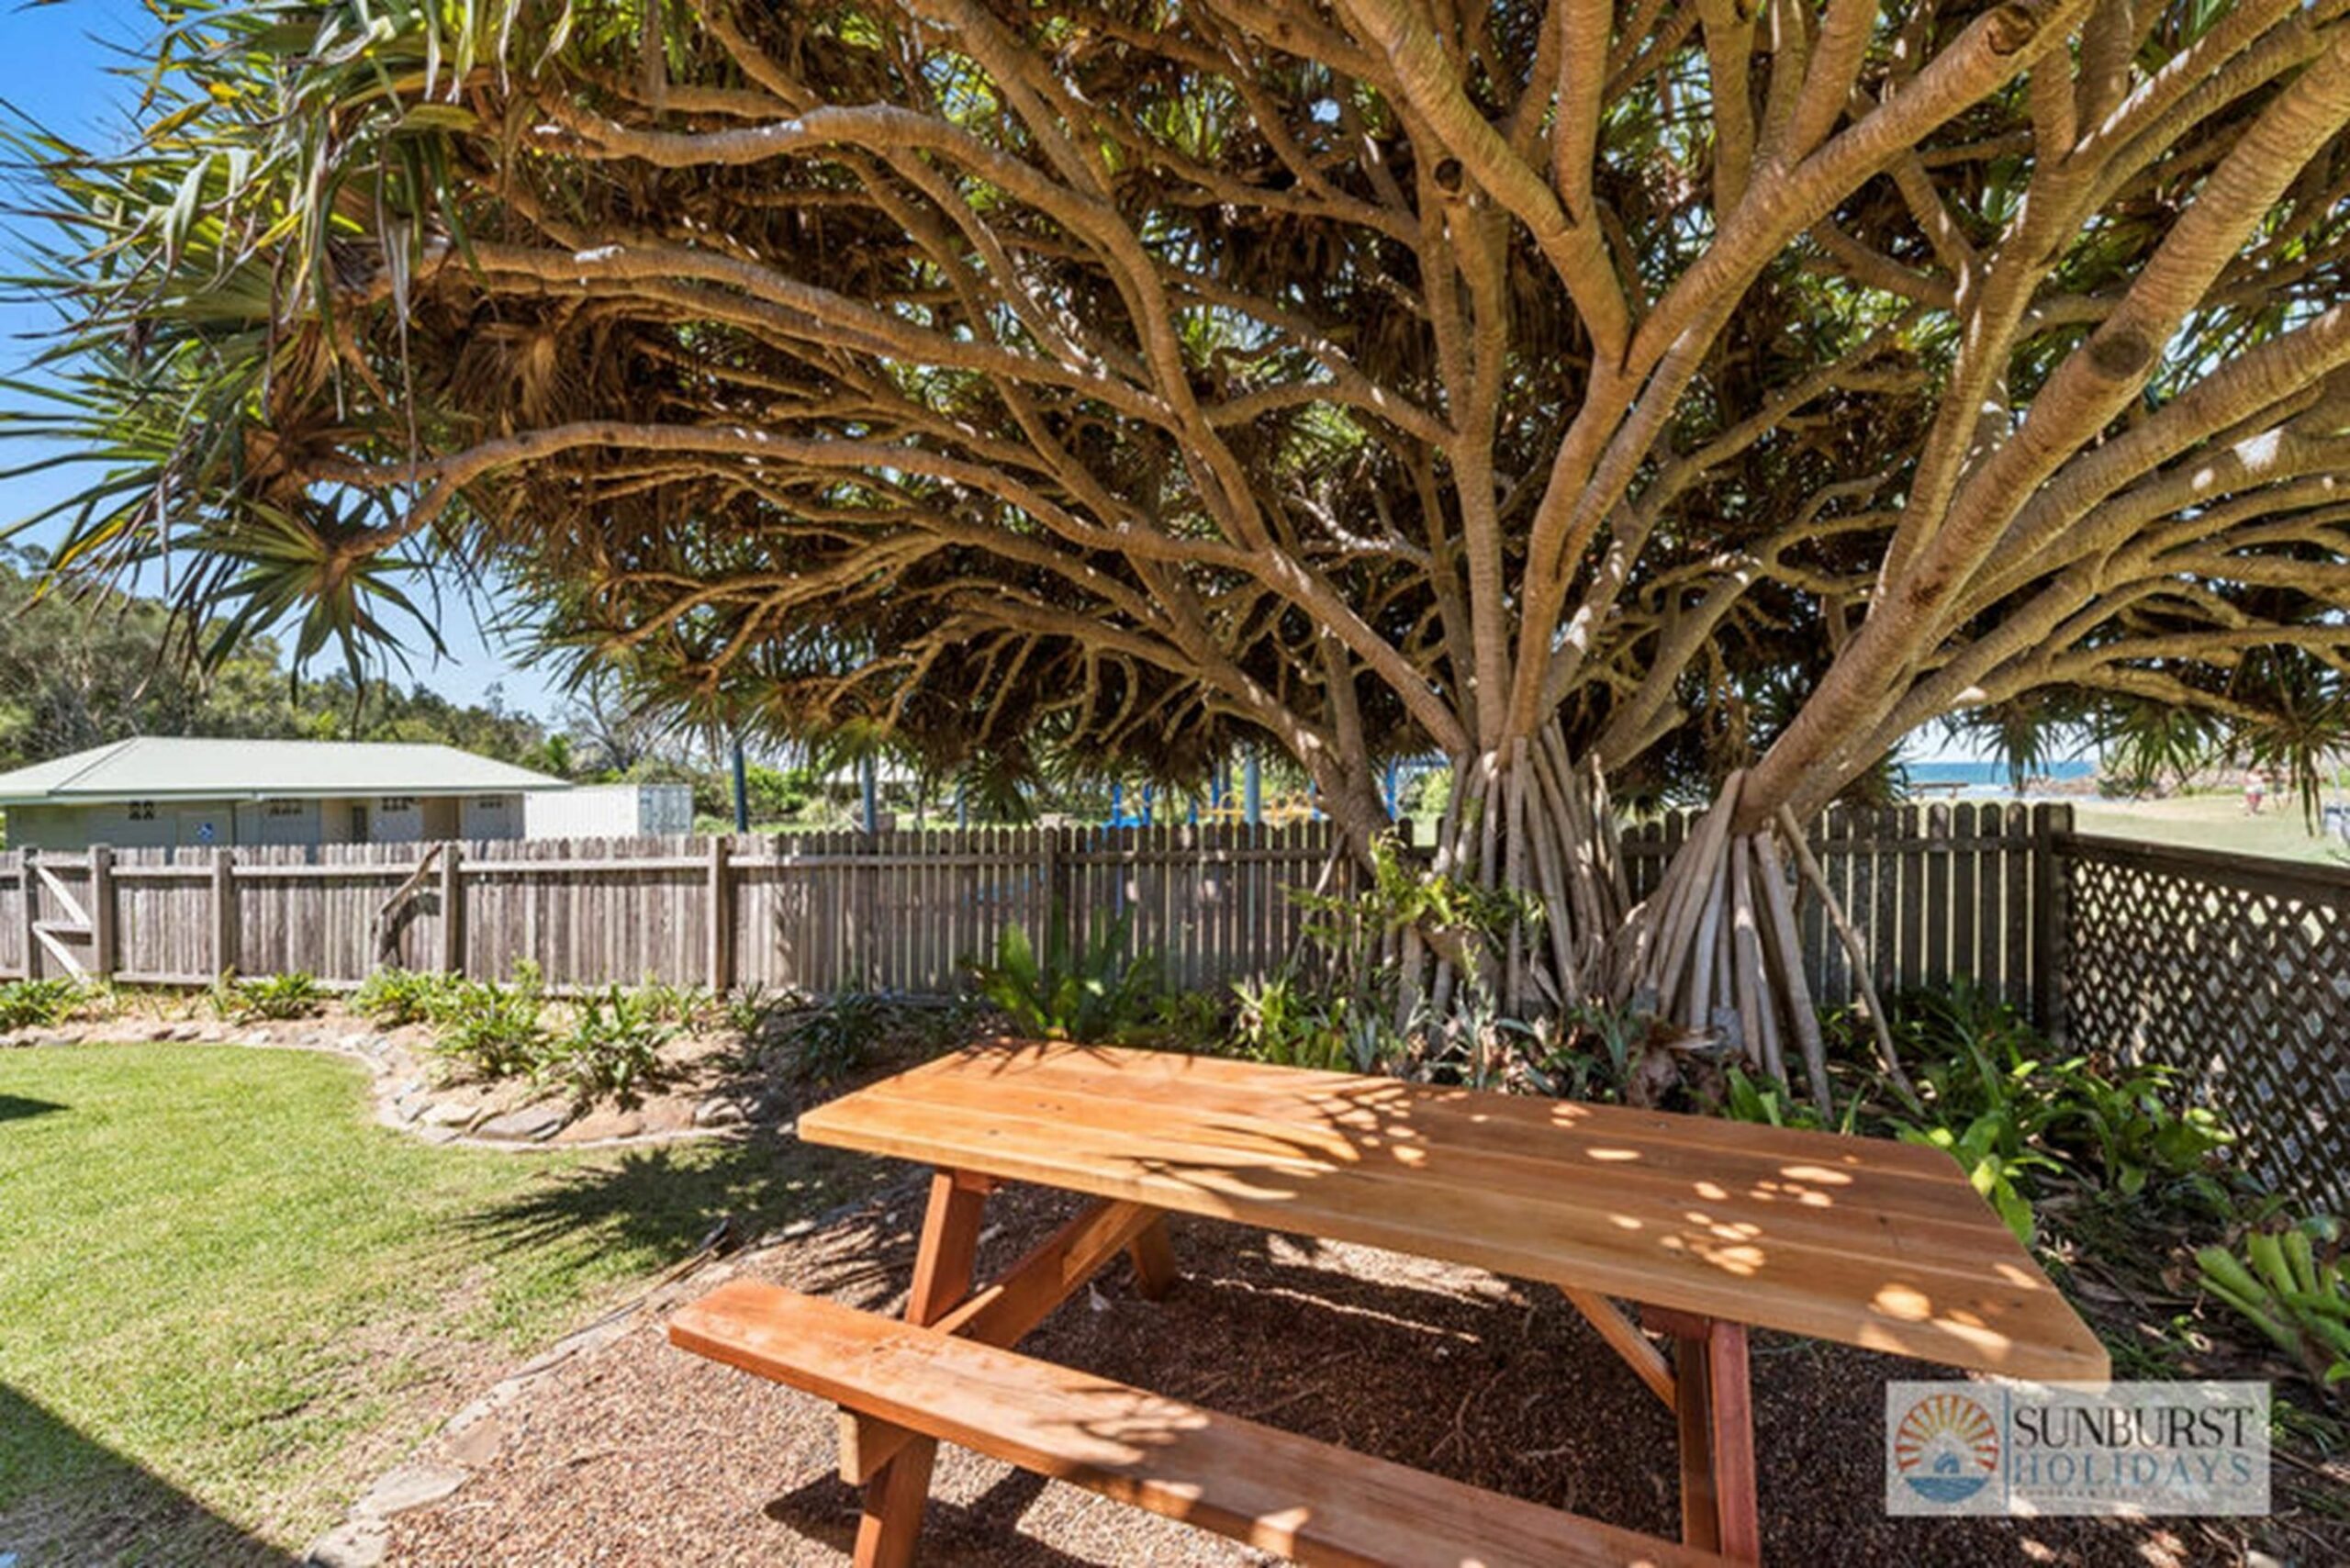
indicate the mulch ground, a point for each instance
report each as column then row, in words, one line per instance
column 637, row 1454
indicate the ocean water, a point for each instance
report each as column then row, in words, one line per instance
column 1994, row 772
column 1986, row 779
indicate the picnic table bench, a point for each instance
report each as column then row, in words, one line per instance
column 1709, row 1227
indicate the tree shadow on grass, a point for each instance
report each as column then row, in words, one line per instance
column 90, row 1504
column 17, row 1108
column 671, row 1200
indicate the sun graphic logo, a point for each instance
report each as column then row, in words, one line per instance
column 1946, row 1448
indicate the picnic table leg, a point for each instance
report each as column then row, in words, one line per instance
column 1714, row 1402
column 1154, row 1260
column 892, row 1520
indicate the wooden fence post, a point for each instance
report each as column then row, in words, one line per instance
column 2048, row 944
column 223, row 911
column 717, row 972
column 452, row 911
column 1048, row 880
column 28, row 911
column 102, row 927
column 1063, row 919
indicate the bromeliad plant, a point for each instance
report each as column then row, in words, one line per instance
column 1375, row 945
column 392, row 997
column 613, row 1046
column 36, row 1003
column 1098, row 991
column 1988, row 1093
column 294, row 994
column 1290, row 1024
column 490, row 1030
column 2294, row 1286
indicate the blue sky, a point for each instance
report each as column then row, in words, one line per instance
column 58, row 75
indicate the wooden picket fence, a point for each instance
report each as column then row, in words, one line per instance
column 1939, row 892
column 2235, row 971
column 901, row 912
column 2232, row 969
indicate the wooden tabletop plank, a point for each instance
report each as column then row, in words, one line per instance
column 1805, row 1213
column 1864, row 1242
column 1444, row 1125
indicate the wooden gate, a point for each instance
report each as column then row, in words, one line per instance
column 67, row 914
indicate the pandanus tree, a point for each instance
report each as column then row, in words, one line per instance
column 1694, row 396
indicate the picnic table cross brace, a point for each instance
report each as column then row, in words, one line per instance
column 893, row 1464
column 1706, row 1382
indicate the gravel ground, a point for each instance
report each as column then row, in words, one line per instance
column 640, row 1454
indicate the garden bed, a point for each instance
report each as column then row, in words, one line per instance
column 658, row 1457
column 646, row 1066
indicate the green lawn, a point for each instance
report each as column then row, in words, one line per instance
column 2213, row 821
column 222, row 1285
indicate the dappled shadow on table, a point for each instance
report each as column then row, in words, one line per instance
column 92, row 1504
column 1868, row 1241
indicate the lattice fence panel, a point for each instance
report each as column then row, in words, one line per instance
column 2236, row 973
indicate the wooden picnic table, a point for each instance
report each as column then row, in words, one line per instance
column 1708, row 1227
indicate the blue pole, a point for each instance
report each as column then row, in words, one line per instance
column 1393, row 772
column 872, row 778
column 1252, row 790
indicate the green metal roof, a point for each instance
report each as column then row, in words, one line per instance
column 171, row 767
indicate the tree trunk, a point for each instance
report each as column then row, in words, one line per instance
column 1713, row 951
column 1533, row 824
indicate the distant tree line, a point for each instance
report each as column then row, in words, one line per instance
column 79, row 670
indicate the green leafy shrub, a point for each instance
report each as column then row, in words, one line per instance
column 835, row 1040
column 490, row 1030
column 1993, row 1150
column 294, row 994
column 1988, row 1094
column 2294, row 1286
column 750, row 1010
column 612, row 1047
column 2140, row 1133
column 1768, row 1102
column 842, row 1036
column 1099, row 992
column 1185, row 1020
column 389, row 998
column 38, row 1004
column 1291, row 1024
column 1595, row 1052
column 684, row 1006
